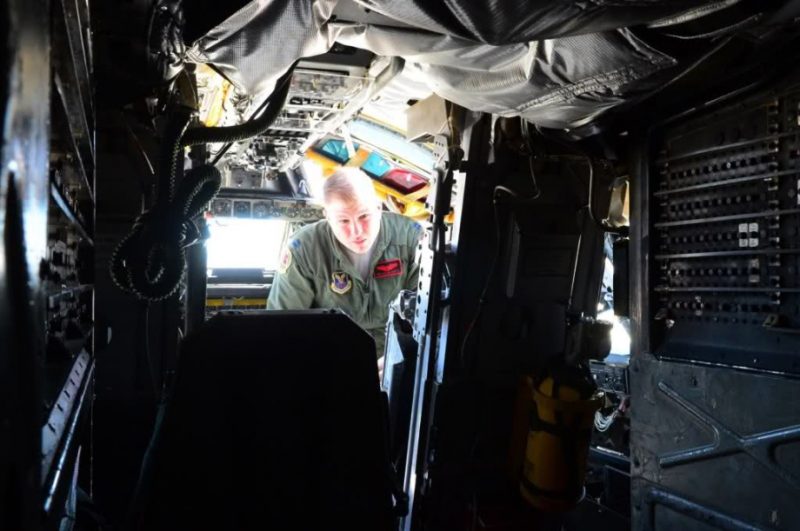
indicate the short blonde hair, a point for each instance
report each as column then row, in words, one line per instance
column 348, row 185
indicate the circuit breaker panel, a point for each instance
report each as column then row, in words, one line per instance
column 47, row 207
column 67, row 271
column 725, row 242
column 716, row 307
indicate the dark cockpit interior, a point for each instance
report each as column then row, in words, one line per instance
column 604, row 332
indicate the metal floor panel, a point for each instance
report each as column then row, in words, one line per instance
column 724, row 439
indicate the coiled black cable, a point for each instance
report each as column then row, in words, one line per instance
column 150, row 261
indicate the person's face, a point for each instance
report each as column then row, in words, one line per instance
column 354, row 223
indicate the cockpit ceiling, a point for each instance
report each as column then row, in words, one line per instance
column 560, row 64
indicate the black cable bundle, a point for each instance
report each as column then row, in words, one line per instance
column 253, row 127
column 149, row 262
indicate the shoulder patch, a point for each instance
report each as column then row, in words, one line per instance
column 294, row 244
column 285, row 261
column 417, row 234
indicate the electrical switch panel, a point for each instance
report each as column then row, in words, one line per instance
column 725, row 269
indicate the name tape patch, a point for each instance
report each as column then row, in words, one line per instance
column 388, row 268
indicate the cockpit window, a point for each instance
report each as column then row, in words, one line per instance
column 245, row 243
column 620, row 333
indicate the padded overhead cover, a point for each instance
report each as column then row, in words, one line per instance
column 510, row 21
column 555, row 82
column 258, row 43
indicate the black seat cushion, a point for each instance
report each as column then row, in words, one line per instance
column 275, row 422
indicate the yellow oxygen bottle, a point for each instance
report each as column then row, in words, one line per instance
column 558, row 440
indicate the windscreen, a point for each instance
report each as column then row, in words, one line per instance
column 245, row 243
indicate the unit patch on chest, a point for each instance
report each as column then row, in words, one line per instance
column 341, row 282
column 388, row 268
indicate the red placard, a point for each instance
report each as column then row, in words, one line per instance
column 388, row 268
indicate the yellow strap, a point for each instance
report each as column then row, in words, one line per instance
column 414, row 196
column 235, row 302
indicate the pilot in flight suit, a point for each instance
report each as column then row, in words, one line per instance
column 357, row 259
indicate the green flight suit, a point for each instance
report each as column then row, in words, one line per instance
column 315, row 272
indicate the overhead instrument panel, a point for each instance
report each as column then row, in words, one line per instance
column 246, row 205
column 322, row 96
column 726, row 236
